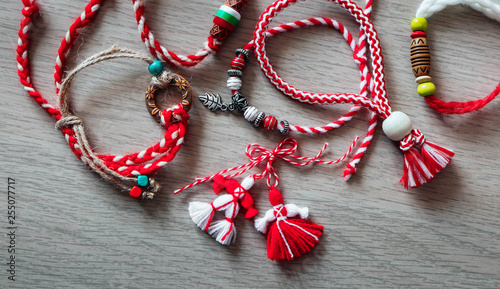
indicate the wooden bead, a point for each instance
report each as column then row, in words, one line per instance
column 419, row 24
column 426, row 89
column 422, row 79
column 397, row 126
column 420, row 57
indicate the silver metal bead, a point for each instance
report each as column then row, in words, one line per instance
column 234, row 72
column 286, row 127
column 259, row 118
column 242, row 51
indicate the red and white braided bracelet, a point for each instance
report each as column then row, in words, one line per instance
column 130, row 172
column 225, row 20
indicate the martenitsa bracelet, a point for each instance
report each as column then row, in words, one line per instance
column 421, row 57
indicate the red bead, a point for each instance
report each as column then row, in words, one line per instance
column 238, row 63
column 418, row 33
column 136, row 192
column 270, row 122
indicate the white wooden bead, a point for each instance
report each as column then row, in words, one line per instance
column 397, row 126
column 422, row 79
column 251, row 113
column 234, row 83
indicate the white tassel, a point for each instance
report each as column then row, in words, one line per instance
column 201, row 214
column 294, row 210
column 261, row 224
column 223, row 231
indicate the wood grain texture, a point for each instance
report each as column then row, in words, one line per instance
column 76, row 231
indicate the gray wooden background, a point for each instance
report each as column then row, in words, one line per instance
column 76, row 231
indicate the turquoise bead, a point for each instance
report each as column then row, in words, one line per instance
column 142, row 180
column 155, row 68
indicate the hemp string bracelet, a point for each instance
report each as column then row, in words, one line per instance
column 420, row 54
column 270, row 122
column 121, row 170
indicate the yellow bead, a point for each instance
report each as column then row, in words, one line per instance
column 426, row 89
column 419, row 24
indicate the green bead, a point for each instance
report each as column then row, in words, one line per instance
column 419, row 24
column 426, row 89
column 142, row 181
column 156, row 67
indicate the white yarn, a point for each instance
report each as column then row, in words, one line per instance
column 219, row 229
column 200, row 213
column 490, row 8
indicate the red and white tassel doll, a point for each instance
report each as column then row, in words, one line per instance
column 289, row 234
column 202, row 214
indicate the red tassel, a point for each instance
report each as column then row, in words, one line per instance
column 289, row 235
column 416, row 172
column 291, row 238
column 422, row 167
column 436, row 157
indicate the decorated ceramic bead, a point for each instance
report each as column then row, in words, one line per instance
column 426, row 89
column 420, row 56
column 251, row 113
column 270, row 122
column 419, row 24
column 234, row 83
column 156, row 67
column 397, row 126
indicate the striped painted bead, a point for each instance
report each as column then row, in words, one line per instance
column 229, row 14
column 234, row 83
column 238, row 62
column 251, row 113
column 270, row 122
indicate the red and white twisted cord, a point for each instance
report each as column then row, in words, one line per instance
column 258, row 154
column 144, row 162
column 210, row 46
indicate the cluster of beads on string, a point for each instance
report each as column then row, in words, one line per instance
column 239, row 102
column 421, row 57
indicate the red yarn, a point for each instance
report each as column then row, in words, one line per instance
column 456, row 107
column 289, row 238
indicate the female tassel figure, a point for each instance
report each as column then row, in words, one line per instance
column 289, row 233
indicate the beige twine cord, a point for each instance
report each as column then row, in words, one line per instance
column 75, row 123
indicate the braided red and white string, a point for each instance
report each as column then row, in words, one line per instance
column 129, row 166
column 396, row 126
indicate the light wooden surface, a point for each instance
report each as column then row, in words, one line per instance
column 76, row 231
